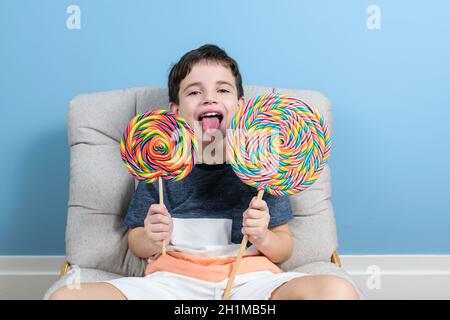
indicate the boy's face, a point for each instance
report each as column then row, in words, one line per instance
column 208, row 99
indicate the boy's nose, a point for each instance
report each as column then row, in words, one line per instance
column 209, row 100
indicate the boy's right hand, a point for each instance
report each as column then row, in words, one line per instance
column 158, row 224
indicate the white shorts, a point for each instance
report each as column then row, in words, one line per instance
column 170, row 286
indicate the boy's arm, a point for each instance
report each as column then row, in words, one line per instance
column 147, row 241
column 276, row 245
column 140, row 244
column 276, row 242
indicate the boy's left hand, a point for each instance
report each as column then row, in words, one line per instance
column 256, row 220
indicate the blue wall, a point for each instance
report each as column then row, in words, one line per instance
column 389, row 88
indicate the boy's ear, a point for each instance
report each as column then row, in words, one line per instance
column 173, row 107
column 241, row 102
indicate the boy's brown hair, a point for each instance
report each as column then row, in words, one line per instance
column 208, row 53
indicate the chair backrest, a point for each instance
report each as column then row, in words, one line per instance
column 101, row 187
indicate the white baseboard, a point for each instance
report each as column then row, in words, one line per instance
column 408, row 277
column 28, row 277
column 378, row 276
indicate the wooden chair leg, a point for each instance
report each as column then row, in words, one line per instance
column 64, row 269
column 335, row 259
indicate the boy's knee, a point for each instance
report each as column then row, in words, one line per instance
column 63, row 293
column 336, row 288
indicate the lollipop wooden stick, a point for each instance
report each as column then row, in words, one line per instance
column 230, row 282
column 161, row 202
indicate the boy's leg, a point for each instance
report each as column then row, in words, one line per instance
column 89, row 291
column 315, row 287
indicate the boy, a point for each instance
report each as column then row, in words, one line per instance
column 208, row 212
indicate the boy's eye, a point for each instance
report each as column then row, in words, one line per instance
column 223, row 90
column 193, row 93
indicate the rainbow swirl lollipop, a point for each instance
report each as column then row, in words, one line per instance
column 158, row 143
column 278, row 144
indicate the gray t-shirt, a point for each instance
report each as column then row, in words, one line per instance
column 209, row 194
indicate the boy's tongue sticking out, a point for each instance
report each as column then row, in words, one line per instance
column 210, row 124
column 210, row 121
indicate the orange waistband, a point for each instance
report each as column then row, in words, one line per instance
column 208, row 269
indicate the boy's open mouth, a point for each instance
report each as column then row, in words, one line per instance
column 210, row 120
